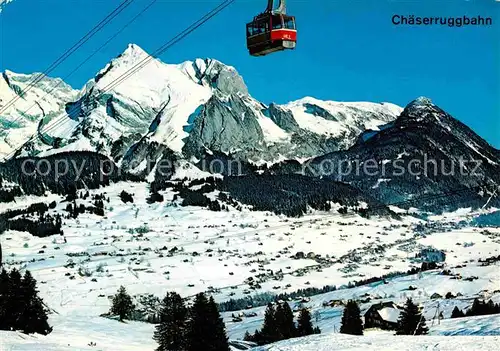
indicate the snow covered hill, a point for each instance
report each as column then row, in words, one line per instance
column 382, row 342
column 195, row 106
column 74, row 335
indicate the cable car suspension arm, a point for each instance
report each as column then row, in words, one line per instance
column 280, row 10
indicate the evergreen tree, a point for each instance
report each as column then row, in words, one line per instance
column 248, row 336
column 304, row 324
column 170, row 334
column 220, row 339
column 496, row 308
column 20, row 307
column 122, row 304
column 257, row 337
column 4, row 302
column 411, row 321
column 477, row 308
column 206, row 330
column 279, row 319
column 284, row 321
column 351, row 322
column 14, row 300
column 33, row 316
column 490, row 307
column 457, row 313
column 197, row 335
column 269, row 332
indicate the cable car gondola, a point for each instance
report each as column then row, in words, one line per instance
column 271, row 31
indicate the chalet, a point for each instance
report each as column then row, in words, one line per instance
column 333, row 303
column 383, row 315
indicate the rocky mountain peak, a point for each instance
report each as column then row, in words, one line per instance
column 417, row 107
column 132, row 54
column 217, row 75
column 422, row 101
column 202, row 104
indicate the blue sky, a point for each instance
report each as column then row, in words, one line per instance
column 348, row 50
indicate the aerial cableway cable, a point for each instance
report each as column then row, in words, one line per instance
column 137, row 67
column 167, row 45
column 94, row 53
column 97, row 28
column 12, row 153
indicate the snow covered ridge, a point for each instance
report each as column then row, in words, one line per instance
column 3, row 3
column 423, row 151
column 188, row 107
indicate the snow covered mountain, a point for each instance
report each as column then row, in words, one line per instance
column 247, row 237
column 201, row 109
column 424, row 152
column 193, row 107
column 43, row 101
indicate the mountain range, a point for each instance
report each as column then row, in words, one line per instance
column 189, row 108
column 203, row 109
column 424, row 156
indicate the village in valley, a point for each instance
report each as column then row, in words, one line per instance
column 318, row 262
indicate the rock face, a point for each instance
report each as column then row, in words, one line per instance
column 425, row 151
column 229, row 124
column 195, row 107
column 217, row 75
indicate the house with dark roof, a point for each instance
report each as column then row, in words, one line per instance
column 436, row 296
column 383, row 315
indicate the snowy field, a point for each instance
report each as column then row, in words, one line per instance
column 155, row 248
column 74, row 334
column 329, row 342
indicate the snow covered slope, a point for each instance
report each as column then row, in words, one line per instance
column 44, row 100
column 74, row 334
column 195, row 106
column 218, row 251
column 329, row 342
column 341, row 120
